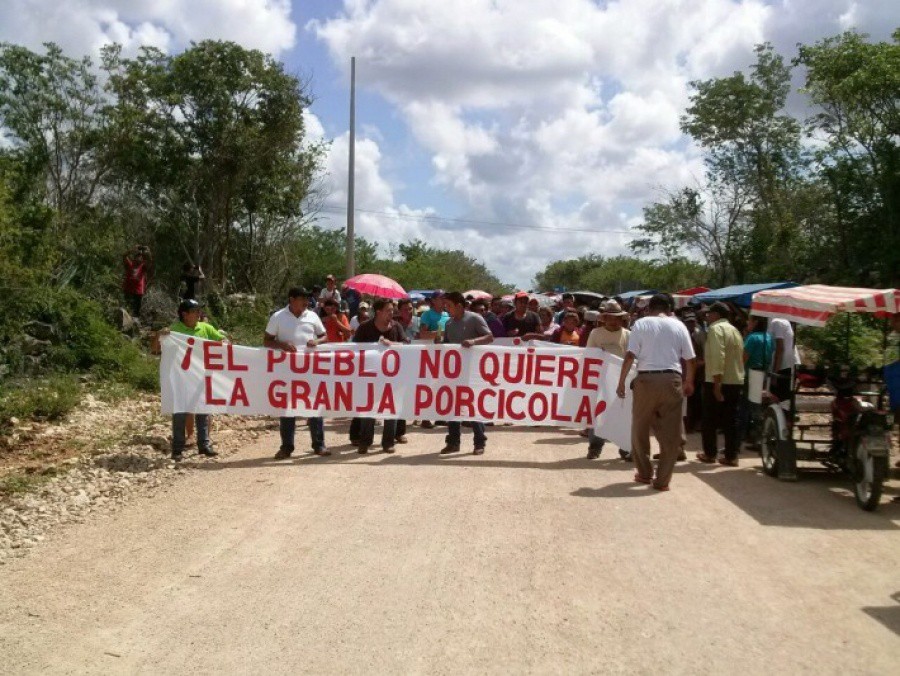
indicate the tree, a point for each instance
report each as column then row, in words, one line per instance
column 212, row 142
column 856, row 84
column 567, row 274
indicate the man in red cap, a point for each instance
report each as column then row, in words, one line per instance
column 521, row 320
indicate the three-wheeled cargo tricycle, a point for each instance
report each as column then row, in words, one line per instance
column 856, row 439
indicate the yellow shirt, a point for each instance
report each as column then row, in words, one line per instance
column 614, row 342
column 724, row 353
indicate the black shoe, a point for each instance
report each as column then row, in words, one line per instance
column 177, row 457
column 593, row 453
column 479, row 450
column 625, row 455
column 427, row 425
column 208, row 452
column 450, row 448
column 362, row 450
column 283, row 454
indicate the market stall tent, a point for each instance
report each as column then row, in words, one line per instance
column 815, row 304
column 740, row 294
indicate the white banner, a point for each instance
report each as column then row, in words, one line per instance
column 527, row 385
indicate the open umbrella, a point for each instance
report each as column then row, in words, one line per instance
column 477, row 294
column 376, row 285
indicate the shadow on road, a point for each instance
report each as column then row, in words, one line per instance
column 889, row 616
column 620, row 490
column 820, row 499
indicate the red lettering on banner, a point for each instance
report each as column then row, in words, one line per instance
column 452, row 363
column 465, row 398
column 583, row 415
column 277, row 398
column 362, row 367
column 482, row 410
column 274, row 357
column 186, row 362
column 322, row 363
column 568, row 372
column 322, row 400
column 239, row 394
column 390, row 363
column 555, row 415
column 210, row 399
column 430, row 360
column 343, row 396
column 300, row 392
column 601, row 406
column 590, row 374
column 508, row 375
column 423, row 398
column 343, row 362
column 443, row 404
column 370, row 399
column 489, row 367
column 535, row 413
column 543, row 365
column 510, row 413
column 232, row 364
column 296, row 365
column 212, row 359
column 387, row 400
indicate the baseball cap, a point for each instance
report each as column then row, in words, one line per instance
column 331, row 277
column 364, row 306
column 591, row 316
column 521, row 294
column 188, row 304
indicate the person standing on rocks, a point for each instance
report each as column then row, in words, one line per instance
column 137, row 263
column 292, row 327
column 189, row 324
column 658, row 343
column 466, row 329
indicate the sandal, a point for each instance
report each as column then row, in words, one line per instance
column 642, row 480
column 660, row 488
column 702, row 457
column 729, row 463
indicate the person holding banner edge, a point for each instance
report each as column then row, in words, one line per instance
column 291, row 327
column 189, row 324
column 659, row 343
column 466, row 329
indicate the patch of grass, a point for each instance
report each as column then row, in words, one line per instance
column 50, row 399
column 20, row 483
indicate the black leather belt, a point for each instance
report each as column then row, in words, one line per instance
column 662, row 371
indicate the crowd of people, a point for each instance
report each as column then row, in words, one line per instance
column 695, row 368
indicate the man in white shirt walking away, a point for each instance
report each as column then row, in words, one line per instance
column 658, row 342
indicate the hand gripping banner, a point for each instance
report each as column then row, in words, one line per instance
column 524, row 385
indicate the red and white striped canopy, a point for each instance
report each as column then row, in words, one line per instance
column 815, row 304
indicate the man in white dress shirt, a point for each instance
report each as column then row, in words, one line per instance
column 658, row 343
column 293, row 327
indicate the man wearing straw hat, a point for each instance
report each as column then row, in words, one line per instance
column 611, row 336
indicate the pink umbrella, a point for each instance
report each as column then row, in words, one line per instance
column 477, row 294
column 376, row 285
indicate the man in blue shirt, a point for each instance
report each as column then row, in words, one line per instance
column 433, row 319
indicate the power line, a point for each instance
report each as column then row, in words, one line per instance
column 446, row 219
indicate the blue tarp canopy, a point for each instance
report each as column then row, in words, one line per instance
column 628, row 295
column 740, row 294
column 418, row 294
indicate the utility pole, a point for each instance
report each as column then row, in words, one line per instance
column 351, row 240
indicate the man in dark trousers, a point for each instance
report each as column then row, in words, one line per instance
column 658, row 343
column 724, row 362
column 384, row 330
column 466, row 329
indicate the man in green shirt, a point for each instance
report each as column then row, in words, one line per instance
column 189, row 324
column 724, row 362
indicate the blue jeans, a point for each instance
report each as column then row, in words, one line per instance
column 454, row 433
column 201, row 422
column 287, row 426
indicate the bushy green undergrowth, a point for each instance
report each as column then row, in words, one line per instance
column 846, row 340
column 47, row 398
column 243, row 318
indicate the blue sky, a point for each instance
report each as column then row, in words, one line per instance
column 543, row 125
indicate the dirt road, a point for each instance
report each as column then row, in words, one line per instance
column 527, row 559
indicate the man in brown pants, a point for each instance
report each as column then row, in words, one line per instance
column 658, row 342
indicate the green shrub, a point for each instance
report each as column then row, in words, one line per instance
column 50, row 398
column 847, row 339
